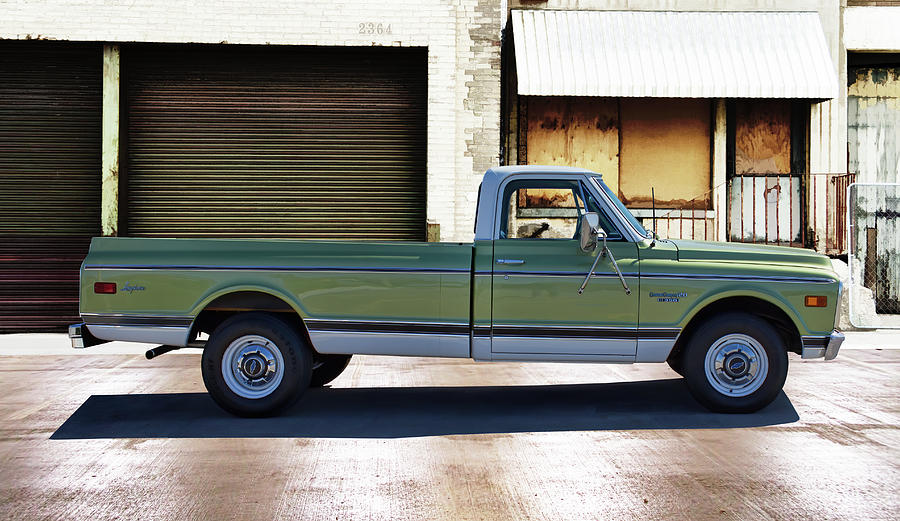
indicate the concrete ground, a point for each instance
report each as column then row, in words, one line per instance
column 99, row 434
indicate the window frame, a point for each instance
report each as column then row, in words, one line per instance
column 584, row 186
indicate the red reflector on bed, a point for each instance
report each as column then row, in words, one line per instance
column 108, row 288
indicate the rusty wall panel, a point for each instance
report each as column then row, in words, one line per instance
column 873, row 133
column 270, row 142
column 579, row 132
column 762, row 136
column 873, row 137
column 665, row 145
column 50, row 106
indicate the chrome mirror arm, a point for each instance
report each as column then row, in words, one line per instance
column 616, row 267
column 604, row 251
column 593, row 266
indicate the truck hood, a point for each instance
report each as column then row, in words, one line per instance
column 750, row 253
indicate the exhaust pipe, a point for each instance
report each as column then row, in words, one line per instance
column 161, row 350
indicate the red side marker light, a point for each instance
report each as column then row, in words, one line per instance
column 816, row 301
column 108, row 288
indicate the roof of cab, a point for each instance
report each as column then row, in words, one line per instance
column 502, row 172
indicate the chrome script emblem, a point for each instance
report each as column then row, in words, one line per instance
column 668, row 297
column 131, row 289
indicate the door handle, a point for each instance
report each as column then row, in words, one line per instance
column 510, row 261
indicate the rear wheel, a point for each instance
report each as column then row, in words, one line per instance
column 735, row 363
column 327, row 367
column 256, row 365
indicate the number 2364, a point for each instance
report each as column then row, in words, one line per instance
column 373, row 28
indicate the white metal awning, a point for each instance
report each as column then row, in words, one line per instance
column 672, row 54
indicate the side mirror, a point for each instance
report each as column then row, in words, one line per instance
column 590, row 232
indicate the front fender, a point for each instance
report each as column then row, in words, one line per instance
column 770, row 296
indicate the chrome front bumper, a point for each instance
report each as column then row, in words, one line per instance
column 81, row 337
column 822, row 346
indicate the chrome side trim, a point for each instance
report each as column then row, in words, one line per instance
column 595, row 333
column 552, row 347
column 579, row 274
column 394, row 344
column 114, row 319
column 314, row 269
column 653, row 349
column 166, row 335
column 552, row 357
column 409, row 328
column 756, row 278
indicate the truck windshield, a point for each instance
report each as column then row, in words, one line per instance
column 630, row 218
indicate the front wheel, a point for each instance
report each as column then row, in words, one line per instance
column 735, row 363
column 256, row 365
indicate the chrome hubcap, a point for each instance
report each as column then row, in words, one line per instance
column 736, row 365
column 252, row 366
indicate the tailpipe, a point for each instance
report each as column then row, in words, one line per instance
column 161, row 350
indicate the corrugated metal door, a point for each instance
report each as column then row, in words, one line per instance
column 50, row 114
column 269, row 142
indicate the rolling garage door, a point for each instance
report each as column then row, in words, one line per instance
column 50, row 113
column 302, row 142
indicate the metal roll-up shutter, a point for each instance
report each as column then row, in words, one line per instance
column 50, row 117
column 302, row 142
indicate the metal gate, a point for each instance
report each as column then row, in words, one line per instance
column 873, row 225
column 299, row 142
column 50, row 117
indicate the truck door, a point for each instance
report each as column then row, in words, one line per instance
column 538, row 268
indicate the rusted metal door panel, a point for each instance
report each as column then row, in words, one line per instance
column 50, row 110
column 296, row 143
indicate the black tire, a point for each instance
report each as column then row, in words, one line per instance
column 676, row 364
column 327, row 367
column 720, row 349
column 242, row 339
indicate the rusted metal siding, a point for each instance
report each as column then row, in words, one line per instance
column 873, row 130
column 765, row 196
column 294, row 143
column 580, row 132
column 50, row 98
column 672, row 54
column 874, row 152
column 665, row 145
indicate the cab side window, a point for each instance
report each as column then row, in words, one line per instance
column 546, row 209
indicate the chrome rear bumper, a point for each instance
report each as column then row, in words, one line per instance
column 81, row 337
column 822, row 346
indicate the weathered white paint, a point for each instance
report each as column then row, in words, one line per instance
column 109, row 199
column 672, row 54
column 765, row 209
column 719, row 167
column 462, row 37
column 872, row 28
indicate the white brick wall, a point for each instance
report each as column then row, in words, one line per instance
column 463, row 133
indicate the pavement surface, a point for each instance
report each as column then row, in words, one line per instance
column 100, row 435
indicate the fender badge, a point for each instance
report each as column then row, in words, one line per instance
column 131, row 289
column 668, row 297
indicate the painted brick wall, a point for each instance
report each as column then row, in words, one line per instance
column 462, row 36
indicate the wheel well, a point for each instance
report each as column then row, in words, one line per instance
column 751, row 305
column 231, row 304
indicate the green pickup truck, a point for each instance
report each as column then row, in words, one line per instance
column 559, row 271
